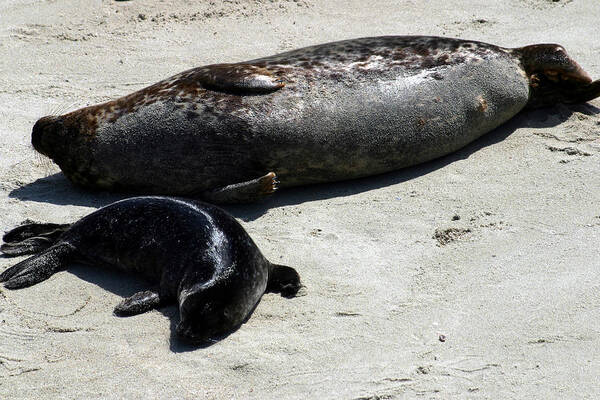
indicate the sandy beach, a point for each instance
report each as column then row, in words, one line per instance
column 473, row 276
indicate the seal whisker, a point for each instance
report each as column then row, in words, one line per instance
column 57, row 109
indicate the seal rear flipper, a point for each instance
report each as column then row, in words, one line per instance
column 554, row 77
column 30, row 230
column 28, row 246
column 37, row 268
column 244, row 192
column 586, row 93
column 139, row 303
column 31, row 238
column 238, row 79
column 283, row 280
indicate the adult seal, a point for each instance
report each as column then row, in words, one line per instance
column 329, row 112
column 195, row 254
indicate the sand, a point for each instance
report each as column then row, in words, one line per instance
column 473, row 276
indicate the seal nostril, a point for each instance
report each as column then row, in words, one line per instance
column 36, row 136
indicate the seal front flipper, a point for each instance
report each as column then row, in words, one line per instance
column 238, row 79
column 37, row 268
column 139, row 303
column 244, row 192
column 283, row 280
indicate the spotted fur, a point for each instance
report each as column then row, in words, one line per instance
column 321, row 113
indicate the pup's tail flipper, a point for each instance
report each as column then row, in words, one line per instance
column 31, row 238
column 39, row 267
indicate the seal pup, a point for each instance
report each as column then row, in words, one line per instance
column 195, row 254
column 335, row 111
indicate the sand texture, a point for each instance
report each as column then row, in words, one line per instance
column 472, row 276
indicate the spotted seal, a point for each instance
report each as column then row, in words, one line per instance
column 335, row 111
column 196, row 254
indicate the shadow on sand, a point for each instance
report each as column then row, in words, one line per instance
column 57, row 189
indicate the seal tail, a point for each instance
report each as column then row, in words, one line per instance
column 554, row 77
column 31, row 238
column 37, row 268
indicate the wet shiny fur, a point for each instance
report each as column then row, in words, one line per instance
column 195, row 254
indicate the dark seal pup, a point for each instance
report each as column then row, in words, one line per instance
column 198, row 256
column 323, row 113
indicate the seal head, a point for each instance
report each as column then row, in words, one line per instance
column 55, row 136
column 205, row 311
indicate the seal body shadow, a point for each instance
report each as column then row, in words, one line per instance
column 194, row 254
column 323, row 113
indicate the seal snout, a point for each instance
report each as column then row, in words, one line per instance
column 198, row 334
column 43, row 128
